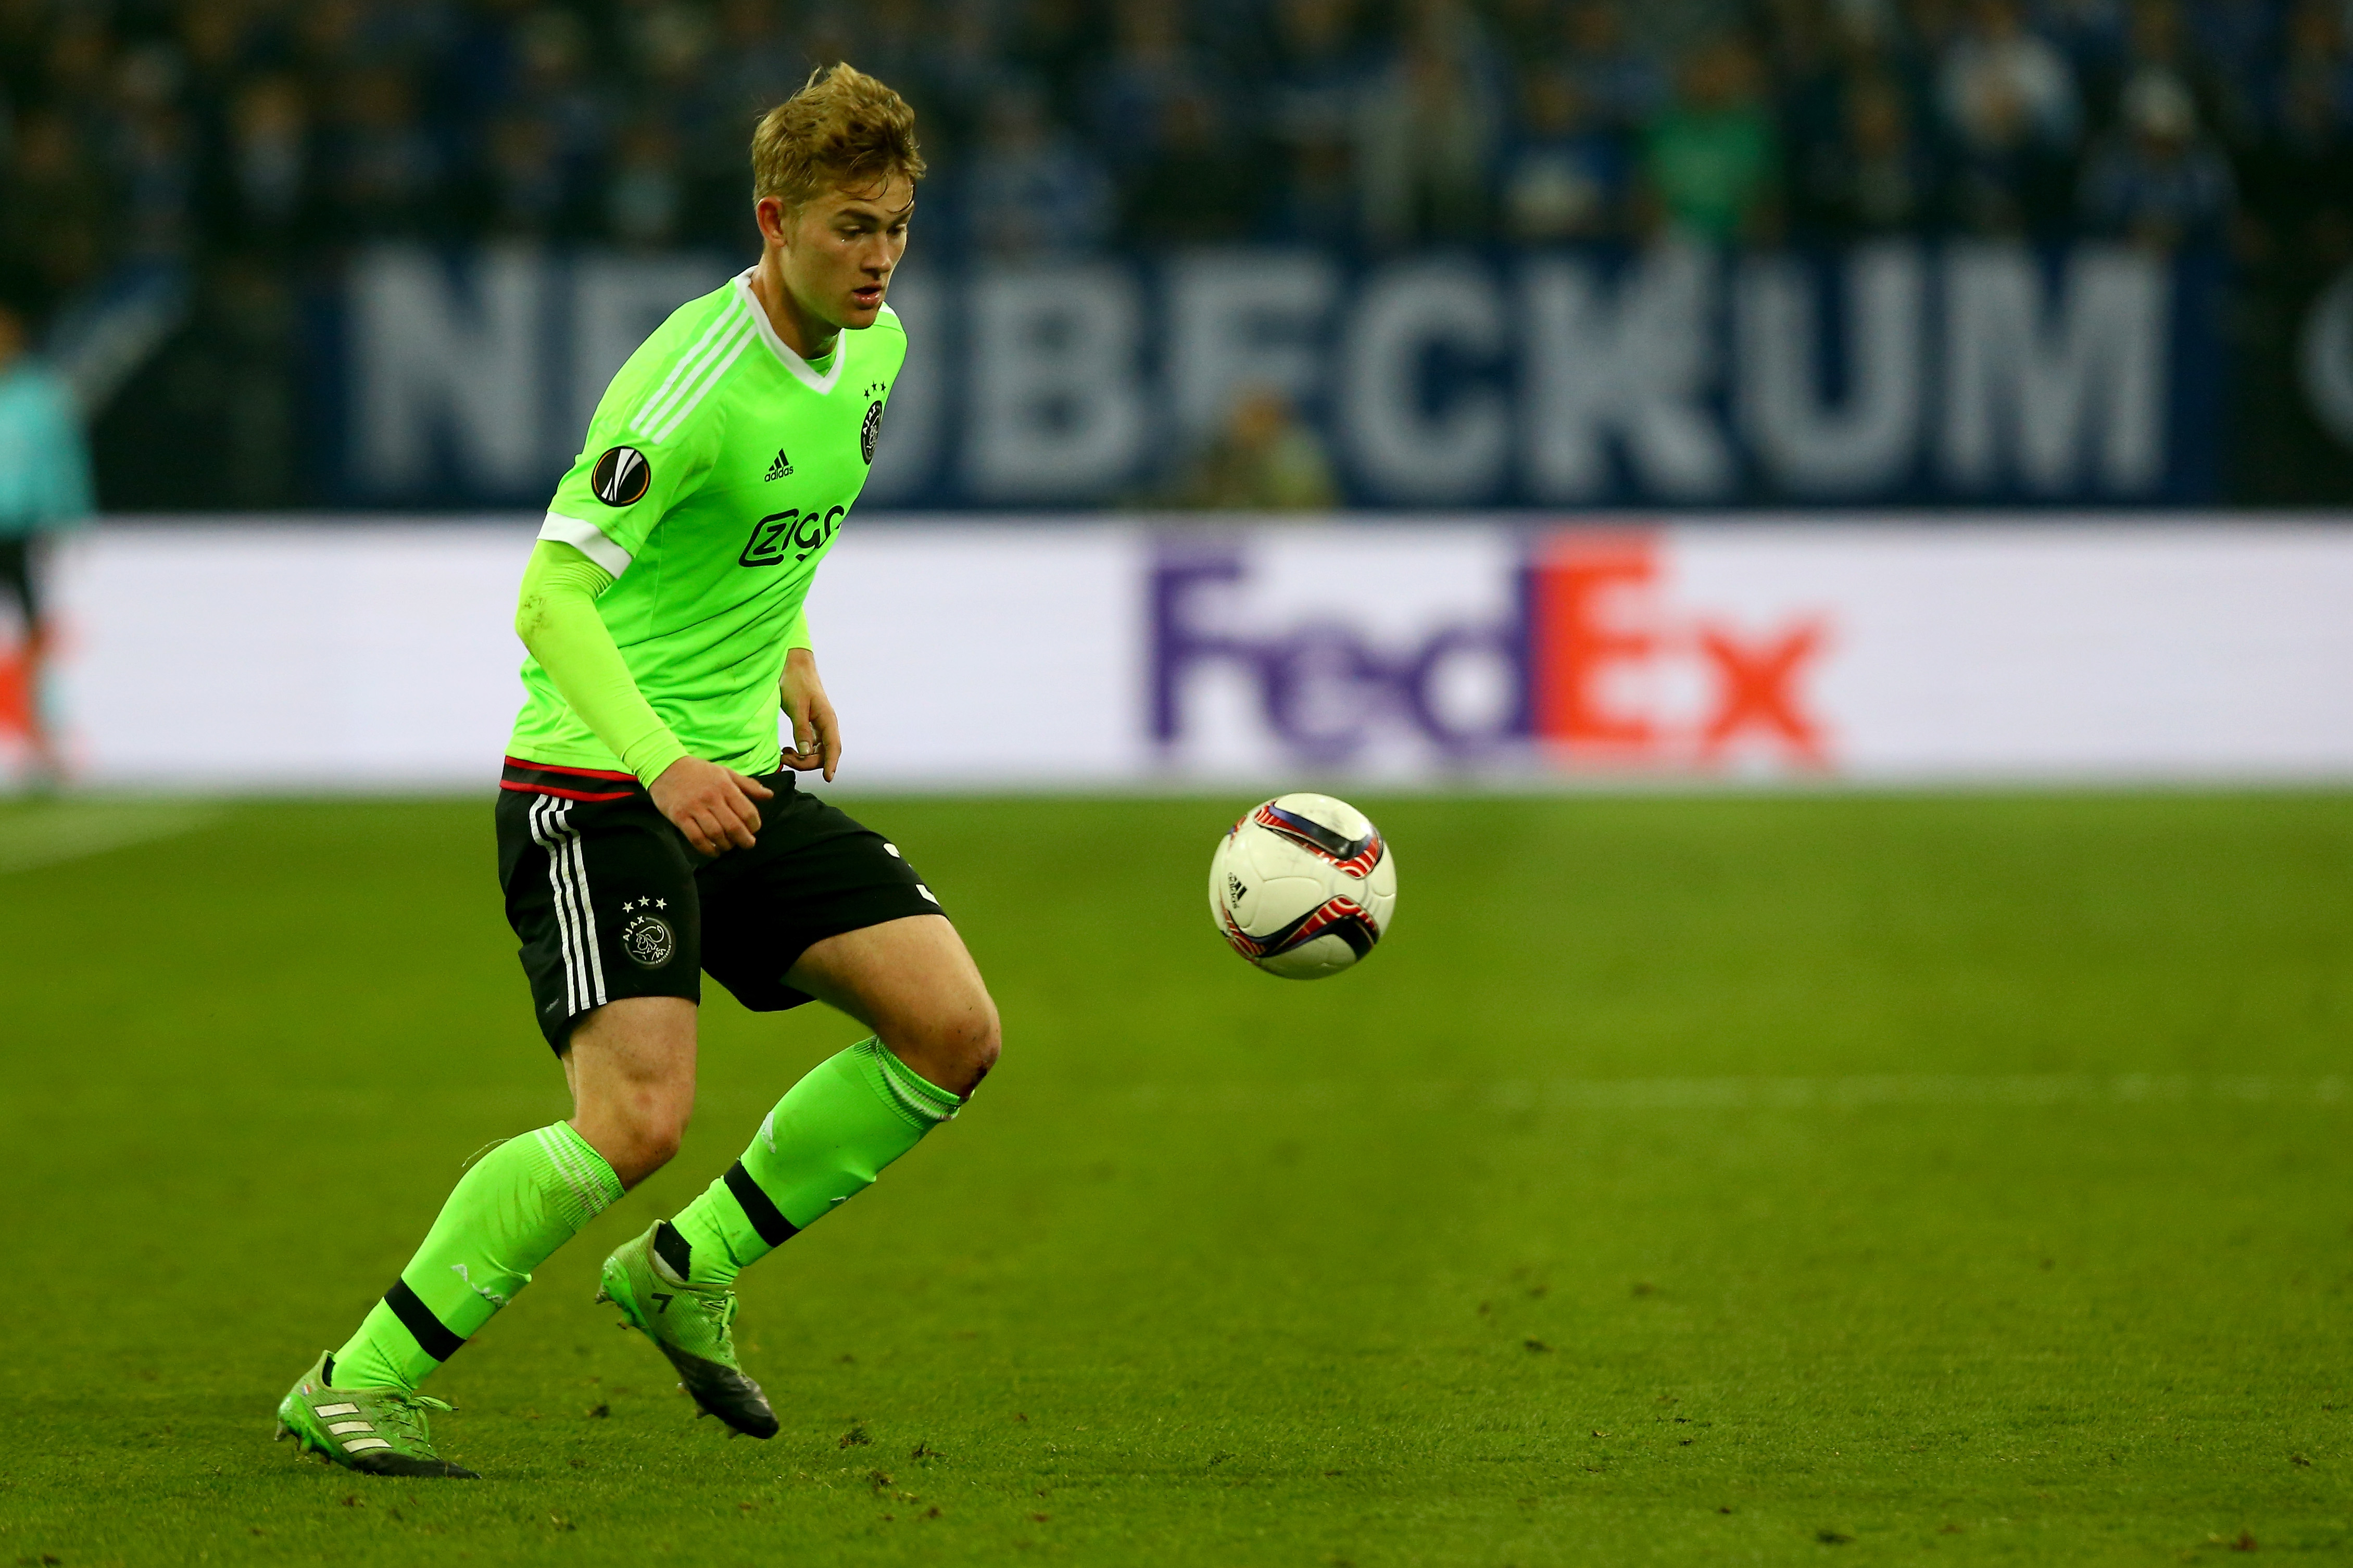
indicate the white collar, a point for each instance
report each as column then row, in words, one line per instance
column 803, row 372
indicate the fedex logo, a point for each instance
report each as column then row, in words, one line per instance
column 1575, row 650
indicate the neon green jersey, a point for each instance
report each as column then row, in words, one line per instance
column 717, row 472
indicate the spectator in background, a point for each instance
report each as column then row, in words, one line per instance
column 2295, row 239
column 2003, row 85
column 2011, row 106
column 2091, row 34
column 554, row 89
column 645, row 191
column 2299, row 177
column 1034, row 188
column 385, row 176
column 1564, row 177
column 1803, row 76
column 1152, row 64
column 1931, row 28
column 329, row 38
column 215, row 39
column 1877, row 178
column 2235, row 41
column 2157, row 180
column 1201, row 185
column 1051, row 43
column 154, row 152
column 1711, row 161
column 962, row 63
column 259, row 191
column 2157, row 42
column 520, row 190
column 1623, row 87
column 57, row 218
column 1318, row 72
column 44, row 487
column 1264, row 461
column 1426, row 131
column 755, row 64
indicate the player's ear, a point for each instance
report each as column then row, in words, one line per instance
column 769, row 213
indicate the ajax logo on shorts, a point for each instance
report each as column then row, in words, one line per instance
column 621, row 476
column 647, row 940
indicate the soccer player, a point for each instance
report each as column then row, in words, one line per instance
column 44, row 487
column 649, row 827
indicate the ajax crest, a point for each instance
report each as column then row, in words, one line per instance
column 647, row 940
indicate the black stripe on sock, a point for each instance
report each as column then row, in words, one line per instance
column 759, row 1208
column 428, row 1331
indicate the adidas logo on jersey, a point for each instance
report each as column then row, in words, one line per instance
column 781, row 468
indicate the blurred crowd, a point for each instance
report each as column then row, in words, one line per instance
column 256, row 141
column 144, row 127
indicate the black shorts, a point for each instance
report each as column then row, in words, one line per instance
column 610, row 901
column 20, row 575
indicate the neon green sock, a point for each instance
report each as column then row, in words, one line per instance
column 822, row 1145
column 507, row 1215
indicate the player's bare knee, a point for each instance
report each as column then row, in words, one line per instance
column 953, row 1044
column 641, row 1148
column 976, row 1044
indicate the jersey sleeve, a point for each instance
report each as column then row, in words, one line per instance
column 653, row 440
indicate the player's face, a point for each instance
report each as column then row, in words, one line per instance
column 839, row 252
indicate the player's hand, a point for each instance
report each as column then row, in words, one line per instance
column 817, row 734
column 710, row 804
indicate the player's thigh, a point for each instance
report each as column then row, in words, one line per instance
column 815, row 873
column 912, row 981
column 806, row 903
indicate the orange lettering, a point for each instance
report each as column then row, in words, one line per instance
column 1759, row 689
column 1581, row 631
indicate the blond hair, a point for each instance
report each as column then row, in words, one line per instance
column 842, row 130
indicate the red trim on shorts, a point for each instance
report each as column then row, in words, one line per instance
column 576, row 773
column 565, row 793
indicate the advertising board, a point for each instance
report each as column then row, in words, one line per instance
column 1432, row 652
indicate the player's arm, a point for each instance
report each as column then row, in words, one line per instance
column 557, row 618
column 816, row 732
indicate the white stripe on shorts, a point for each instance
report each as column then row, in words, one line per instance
column 575, row 931
column 577, row 854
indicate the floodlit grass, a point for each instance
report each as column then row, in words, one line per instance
column 1703, row 1180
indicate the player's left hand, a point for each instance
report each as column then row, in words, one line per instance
column 817, row 734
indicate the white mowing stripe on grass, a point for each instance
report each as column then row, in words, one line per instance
column 1756, row 1093
column 35, row 836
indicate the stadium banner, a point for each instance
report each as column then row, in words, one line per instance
column 1431, row 652
column 1897, row 373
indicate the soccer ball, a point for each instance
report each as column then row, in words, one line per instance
column 1303, row 886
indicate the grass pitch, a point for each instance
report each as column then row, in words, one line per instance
column 1708, row 1180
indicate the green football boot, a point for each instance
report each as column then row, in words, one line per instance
column 376, row 1431
column 690, row 1324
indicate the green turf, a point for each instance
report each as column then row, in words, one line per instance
column 1702, row 1180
